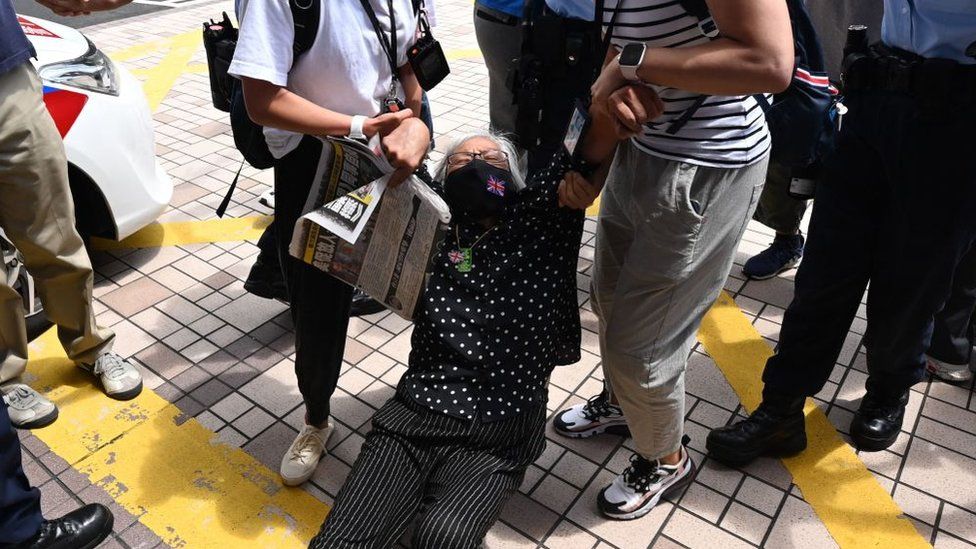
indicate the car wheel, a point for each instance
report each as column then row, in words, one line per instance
column 23, row 283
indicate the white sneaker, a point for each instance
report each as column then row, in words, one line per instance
column 302, row 457
column 120, row 379
column 28, row 409
column 642, row 485
column 948, row 372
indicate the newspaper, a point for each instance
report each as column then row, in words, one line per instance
column 377, row 239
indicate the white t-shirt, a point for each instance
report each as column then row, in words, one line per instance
column 345, row 70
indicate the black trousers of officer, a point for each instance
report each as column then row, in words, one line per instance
column 896, row 209
column 952, row 336
column 20, row 505
column 319, row 302
column 455, row 473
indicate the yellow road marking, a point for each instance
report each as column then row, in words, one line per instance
column 594, row 208
column 856, row 510
column 159, row 80
column 464, row 53
column 190, row 232
column 181, row 482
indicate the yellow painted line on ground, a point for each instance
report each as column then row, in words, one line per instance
column 857, row 511
column 176, row 476
column 178, row 233
column 594, row 208
column 159, row 79
column 464, row 53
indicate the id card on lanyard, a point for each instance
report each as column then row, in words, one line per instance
column 391, row 103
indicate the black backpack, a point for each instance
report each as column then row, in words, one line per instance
column 220, row 41
column 802, row 118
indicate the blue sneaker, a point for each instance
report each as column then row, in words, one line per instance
column 782, row 255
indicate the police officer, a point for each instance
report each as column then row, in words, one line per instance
column 896, row 210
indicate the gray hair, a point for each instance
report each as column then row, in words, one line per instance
column 515, row 164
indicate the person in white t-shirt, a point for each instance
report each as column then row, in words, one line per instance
column 342, row 86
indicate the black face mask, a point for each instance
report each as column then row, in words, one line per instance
column 478, row 191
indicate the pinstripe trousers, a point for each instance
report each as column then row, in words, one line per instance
column 454, row 474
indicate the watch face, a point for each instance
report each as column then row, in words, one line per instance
column 631, row 55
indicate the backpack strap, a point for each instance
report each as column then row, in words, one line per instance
column 699, row 9
column 306, row 14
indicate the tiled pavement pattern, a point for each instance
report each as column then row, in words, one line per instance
column 225, row 357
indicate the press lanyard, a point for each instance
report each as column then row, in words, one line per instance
column 389, row 44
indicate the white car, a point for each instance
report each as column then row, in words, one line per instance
column 102, row 114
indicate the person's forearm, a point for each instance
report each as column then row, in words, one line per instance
column 276, row 107
column 411, row 89
column 753, row 54
column 600, row 141
column 721, row 67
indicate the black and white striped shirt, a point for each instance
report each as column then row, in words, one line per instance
column 726, row 131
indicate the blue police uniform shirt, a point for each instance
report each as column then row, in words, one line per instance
column 931, row 28
column 575, row 9
column 15, row 49
column 511, row 7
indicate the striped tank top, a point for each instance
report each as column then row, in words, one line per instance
column 725, row 131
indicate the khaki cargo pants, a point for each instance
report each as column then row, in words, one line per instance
column 37, row 214
column 665, row 241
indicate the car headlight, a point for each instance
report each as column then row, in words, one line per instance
column 93, row 71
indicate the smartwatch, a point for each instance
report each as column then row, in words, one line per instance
column 630, row 60
column 356, row 127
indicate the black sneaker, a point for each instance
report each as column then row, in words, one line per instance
column 783, row 254
column 363, row 305
column 266, row 280
column 595, row 416
column 878, row 421
column 642, row 485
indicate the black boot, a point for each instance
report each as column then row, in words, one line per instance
column 878, row 421
column 776, row 428
column 82, row 528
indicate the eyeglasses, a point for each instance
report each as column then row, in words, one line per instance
column 494, row 157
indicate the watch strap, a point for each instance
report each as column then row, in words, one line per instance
column 356, row 127
column 630, row 71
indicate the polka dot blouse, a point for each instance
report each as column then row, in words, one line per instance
column 486, row 339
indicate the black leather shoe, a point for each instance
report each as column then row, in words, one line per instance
column 363, row 305
column 266, row 280
column 82, row 528
column 878, row 421
column 776, row 429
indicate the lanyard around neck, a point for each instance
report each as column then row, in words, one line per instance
column 388, row 43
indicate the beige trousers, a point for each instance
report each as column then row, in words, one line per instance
column 37, row 215
column 665, row 241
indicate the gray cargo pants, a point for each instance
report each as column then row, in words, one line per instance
column 666, row 238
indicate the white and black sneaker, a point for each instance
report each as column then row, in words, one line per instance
column 27, row 408
column 120, row 379
column 642, row 485
column 597, row 415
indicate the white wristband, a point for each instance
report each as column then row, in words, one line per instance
column 356, row 127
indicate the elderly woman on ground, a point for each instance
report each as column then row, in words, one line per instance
column 499, row 313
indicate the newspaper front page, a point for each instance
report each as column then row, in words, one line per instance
column 377, row 239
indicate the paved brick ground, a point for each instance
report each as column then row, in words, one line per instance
column 225, row 357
